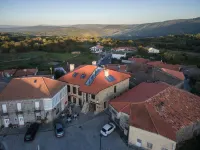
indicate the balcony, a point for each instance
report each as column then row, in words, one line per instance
column 37, row 110
column 3, row 113
column 19, row 112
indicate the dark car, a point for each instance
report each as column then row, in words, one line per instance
column 59, row 130
column 31, row 132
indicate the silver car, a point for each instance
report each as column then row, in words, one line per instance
column 59, row 130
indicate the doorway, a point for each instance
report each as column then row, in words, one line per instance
column 6, row 122
column 92, row 107
column 21, row 120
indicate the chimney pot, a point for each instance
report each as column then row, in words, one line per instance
column 71, row 67
column 106, row 72
column 94, row 63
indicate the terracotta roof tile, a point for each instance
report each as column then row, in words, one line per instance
column 25, row 72
column 174, row 73
column 159, row 108
column 139, row 60
column 31, row 88
column 169, row 111
column 137, row 94
column 116, row 67
column 160, row 64
column 99, row 82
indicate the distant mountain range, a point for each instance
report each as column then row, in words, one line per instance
column 181, row 26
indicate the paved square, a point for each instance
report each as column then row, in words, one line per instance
column 85, row 137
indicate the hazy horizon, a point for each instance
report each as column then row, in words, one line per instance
column 66, row 12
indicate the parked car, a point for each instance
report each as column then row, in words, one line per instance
column 107, row 129
column 31, row 132
column 59, row 130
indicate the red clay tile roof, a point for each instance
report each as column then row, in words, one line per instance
column 174, row 73
column 25, row 72
column 99, row 82
column 139, row 60
column 144, row 116
column 160, row 64
column 115, row 67
column 19, row 72
column 137, row 94
column 31, row 88
column 159, row 108
column 10, row 72
column 169, row 111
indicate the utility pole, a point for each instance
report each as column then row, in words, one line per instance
column 100, row 142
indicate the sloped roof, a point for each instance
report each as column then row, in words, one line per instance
column 169, row 111
column 160, row 64
column 99, row 82
column 159, row 108
column 31, row 88
column 117, row 67
column 137, row 94
column 174, row 73
column 139, row 60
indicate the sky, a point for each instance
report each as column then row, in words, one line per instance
column 67, row 12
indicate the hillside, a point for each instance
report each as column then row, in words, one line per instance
column 173, row 27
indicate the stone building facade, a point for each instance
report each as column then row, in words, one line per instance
column 28, row 104
column 97, row 95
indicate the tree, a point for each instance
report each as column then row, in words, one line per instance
column 58, row 74
column 130, row 42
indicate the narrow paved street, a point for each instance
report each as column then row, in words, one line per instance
column 86, row 137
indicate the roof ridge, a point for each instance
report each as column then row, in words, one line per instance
column 46, row 86
column 125, row 106
column 151, row 119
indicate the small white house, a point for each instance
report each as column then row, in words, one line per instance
column 96, row 49
column 118, row 56
column 153, row 50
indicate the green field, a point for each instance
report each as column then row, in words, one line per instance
column 41, row 60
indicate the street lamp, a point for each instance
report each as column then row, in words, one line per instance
column 100, row 142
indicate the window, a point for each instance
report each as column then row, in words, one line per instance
column 79, row 93
column 149, row 145
column 68, row 88
column 83, row 76
column 38, row 117
column 19, row 106
column 104, row 104
column 37, row 105
column 74, row 90
column 75, row 74
column 86, row 96
column 164, row 149
column 139, row 141
column 110, row 78
column 80, row 102
column 57, row 111
column 115, row 89
column 4, row 108
column 109, row 128
column 93, row 96
column 74, row 100
column 69, row 99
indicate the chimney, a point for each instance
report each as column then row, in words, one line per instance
column 106, row 72
column 71, row 67
column 118, row 67
column 94, row 63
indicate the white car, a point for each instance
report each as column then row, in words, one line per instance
column 108, row 129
